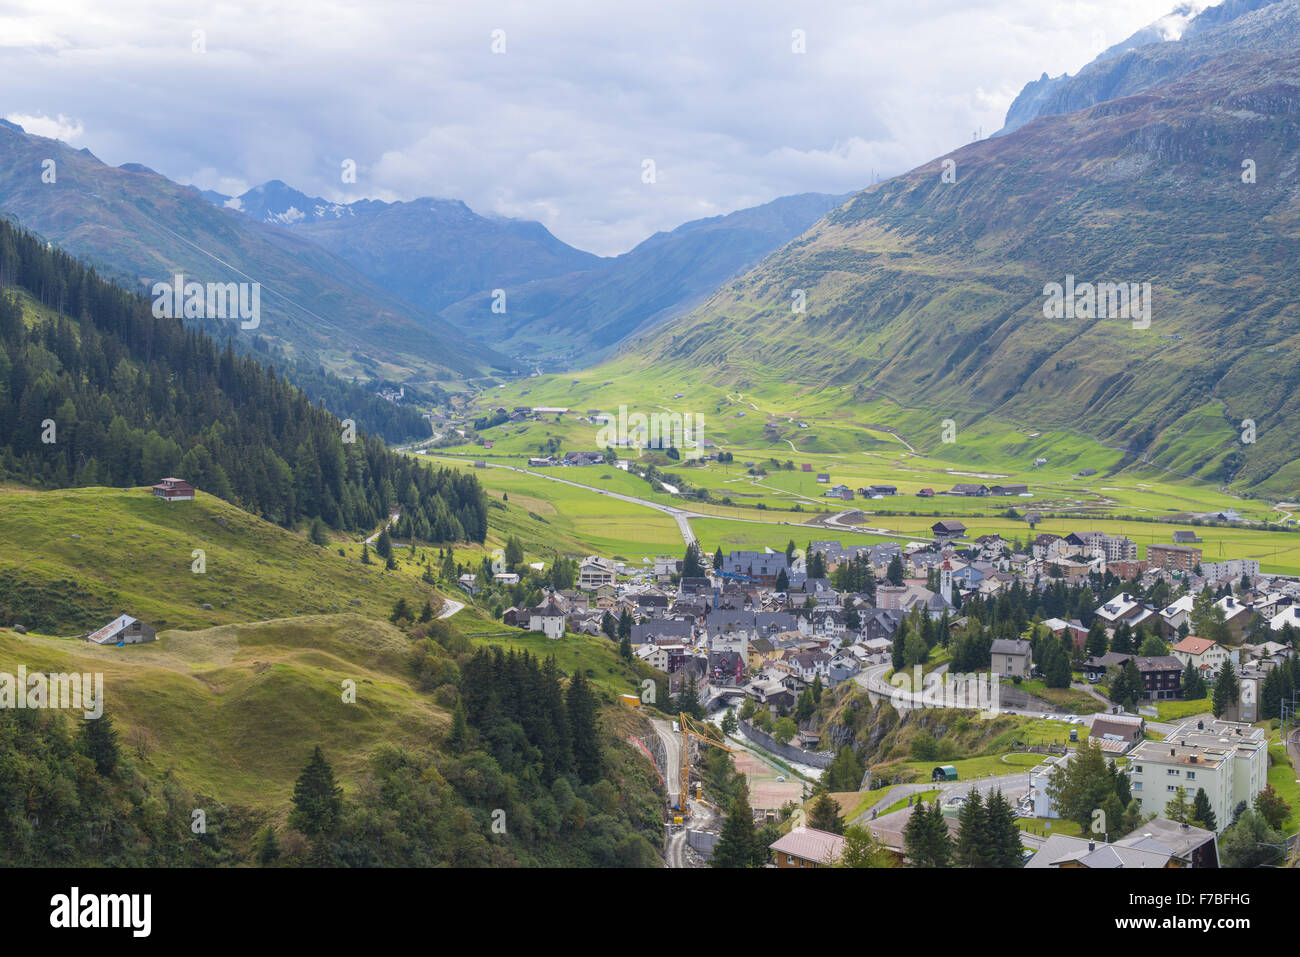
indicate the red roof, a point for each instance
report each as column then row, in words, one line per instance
column 1194, row 646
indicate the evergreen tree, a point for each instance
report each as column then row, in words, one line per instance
column 319, row 534
column 384, row 544
column 1003, row 834
column 1097, row 643
column 717, row 559
column 738, row 845
column 895, row 571
column 317, row 800
column 1202, row 813
column 1128, row 689
column 609, row 626
column 458, row 737
column 926, row 840
column 625, row 647
column 401, row 611
column 692, row 564
column 1193, row 684
column 1227, row 692
column 582, row 708
column 1081, row 786
column 973, row 844
column 99, row 743
column 845, row 772
column 824, row 814
column 266, row 848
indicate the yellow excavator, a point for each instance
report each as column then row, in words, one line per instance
column 685, row 722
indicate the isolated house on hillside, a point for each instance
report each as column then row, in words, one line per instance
column 174, row 490
column 123, row 630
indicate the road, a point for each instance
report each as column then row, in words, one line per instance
column 675, row 842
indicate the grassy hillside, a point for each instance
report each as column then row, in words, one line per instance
column 926, row 297
column 234, row 711
column 72, row 558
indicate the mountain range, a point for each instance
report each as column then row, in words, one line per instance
column 932, row 293
column 141, row 228
column 561, row 304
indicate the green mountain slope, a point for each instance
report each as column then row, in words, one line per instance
column 932, row 293
column 135, row 224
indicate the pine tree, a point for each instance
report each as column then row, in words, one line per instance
column 581, row 704
column 692, row 564
column 717, row 559
column 1097, row 641
column 317, row 800
column 925, row 837
column 365, row 554
column 824, row 814
column 1226, row 690
column 458, row 737
column 1202, row 813
column 384, row 544
column 972, row 848
column 625, row 647
column 738, row 845
column 1003, row 834
column 266, row 847
column 99, row 741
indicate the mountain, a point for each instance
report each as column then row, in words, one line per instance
column 100, row 391
column 579, row 317
column 429, row 252
column 137, row 226
column 933, row 294
column 1173, row 46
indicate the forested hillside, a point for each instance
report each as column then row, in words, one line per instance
column 114, row 396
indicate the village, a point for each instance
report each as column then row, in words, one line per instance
column 1170, row 668
column 755, row 632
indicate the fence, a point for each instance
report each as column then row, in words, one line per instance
column 787, row 751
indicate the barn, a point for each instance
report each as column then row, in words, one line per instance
column 123, row 630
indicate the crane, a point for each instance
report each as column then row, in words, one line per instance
column 687, row 734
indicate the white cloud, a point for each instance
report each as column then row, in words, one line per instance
column 62, row 128
column 557, row 127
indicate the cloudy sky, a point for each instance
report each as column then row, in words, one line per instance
column 558, row 127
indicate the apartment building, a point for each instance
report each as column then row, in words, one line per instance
column 1228, row 759
column 595, row 572
column 1173, row 558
